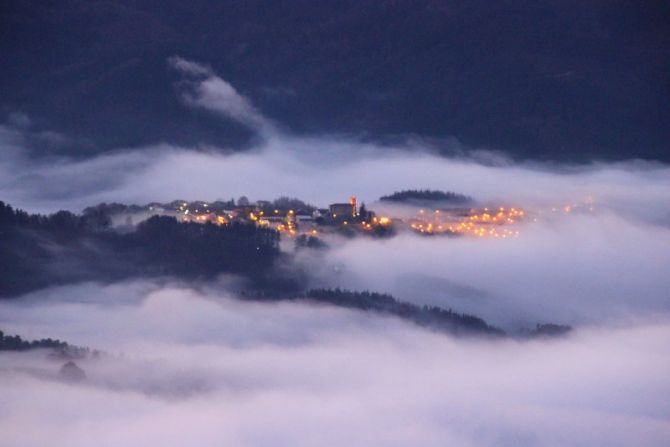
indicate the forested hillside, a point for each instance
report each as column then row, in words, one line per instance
column 63, row 247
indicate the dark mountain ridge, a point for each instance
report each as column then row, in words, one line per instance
column 558, row 80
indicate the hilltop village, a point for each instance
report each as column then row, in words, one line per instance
column 204, row 239
column 295, row 218
column 291, row 217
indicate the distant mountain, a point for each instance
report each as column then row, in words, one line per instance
column 540, row 79
column 549, row 330
column 432, row 317
column 421, row 196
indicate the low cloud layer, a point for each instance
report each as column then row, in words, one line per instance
column 568, row 268
column 319, row 170
column 201, row 368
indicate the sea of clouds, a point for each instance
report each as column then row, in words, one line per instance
column 198, row 367
column 192, row 365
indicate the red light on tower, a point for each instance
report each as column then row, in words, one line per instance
column 352, row 201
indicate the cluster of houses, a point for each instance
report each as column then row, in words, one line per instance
column 293, row 217
column 288, row 216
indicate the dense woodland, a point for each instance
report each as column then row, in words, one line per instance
column 444, row 320
column 432, row 317
column 427, row 316
column 427, row 195
column 548, row 330
column 57, row 347
column 63, row 247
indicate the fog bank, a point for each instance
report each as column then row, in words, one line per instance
column 199, row 368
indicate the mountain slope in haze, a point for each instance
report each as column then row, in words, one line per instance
column 548, row 79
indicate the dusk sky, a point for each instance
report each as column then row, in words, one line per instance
column 370, row 223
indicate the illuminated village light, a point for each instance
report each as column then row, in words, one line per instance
column 479, row 224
